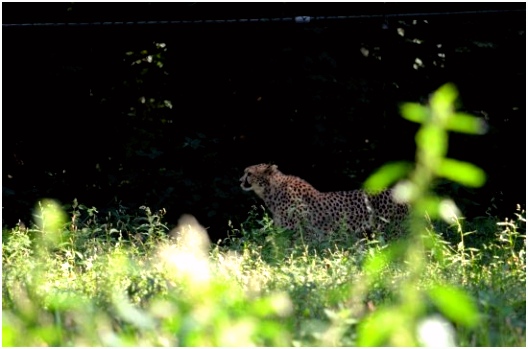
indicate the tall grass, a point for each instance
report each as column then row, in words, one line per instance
column 81, row 278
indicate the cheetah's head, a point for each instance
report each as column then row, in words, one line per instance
column 257, row 178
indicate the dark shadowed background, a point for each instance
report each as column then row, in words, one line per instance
column 169, row 114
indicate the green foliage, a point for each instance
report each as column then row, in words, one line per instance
column 124, row 278
column 257, row 288
column 156, row 290
column 404, row 317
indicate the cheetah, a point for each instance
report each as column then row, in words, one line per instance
column 298, row 206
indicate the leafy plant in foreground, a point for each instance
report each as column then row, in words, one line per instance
column 163, row 289
column 405, row 322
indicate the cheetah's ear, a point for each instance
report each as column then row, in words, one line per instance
column 271, row 168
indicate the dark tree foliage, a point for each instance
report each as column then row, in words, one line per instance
column 169, row 115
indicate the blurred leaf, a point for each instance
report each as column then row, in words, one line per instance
column 443, row 100
column 455, row 304
column 448, row 210
column 8, row 332
column 466, row 123
column 414, row 112
column 435, row 331
column 374, row 264
column 376, row 329
column 385, row 327
column 387, row 175
column 462, row 172
column 51, row 220
column 433, row 140
column 430, row 205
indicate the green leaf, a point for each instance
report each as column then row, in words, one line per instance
column 376, row 329
column 455, row 304
column 385, row 327
column 387, row 175
column 414, row 112
column 444, row 98
column 466, row 123
column 462, row 172
column 431, row 205
column 432, row 140
column 8, row 333
column 375, row 264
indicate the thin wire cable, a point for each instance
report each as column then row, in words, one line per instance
column 297, row 19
